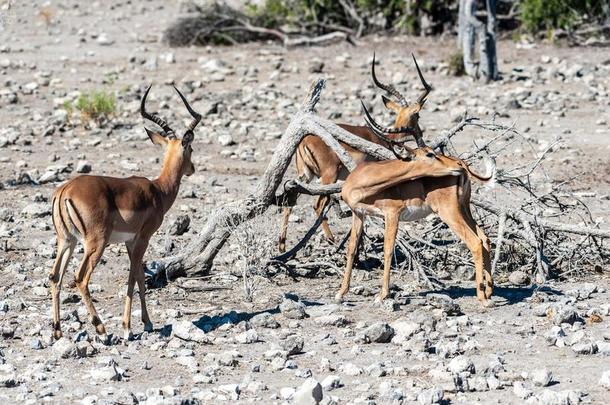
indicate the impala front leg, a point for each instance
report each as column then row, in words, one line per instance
column 136, row 250
column 352, row 248
column 391, row 228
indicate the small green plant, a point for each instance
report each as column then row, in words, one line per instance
column 456, row 64
column 69, row 108
column 98, row 106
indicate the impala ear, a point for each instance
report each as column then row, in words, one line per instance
column 156, row 137
column 389, row 104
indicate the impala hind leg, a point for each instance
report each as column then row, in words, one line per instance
column 487, row 277
column 319, row 206
column 65, row 249
column 454, row 218
column 391, row 228
column 93, row 252
column 352, row 248
column 284, row 229
column 136, row 252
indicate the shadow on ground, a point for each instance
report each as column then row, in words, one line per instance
column 501, row 295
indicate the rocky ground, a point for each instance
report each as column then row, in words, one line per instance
column 547, row 345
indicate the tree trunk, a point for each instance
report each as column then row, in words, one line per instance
column 468, row 29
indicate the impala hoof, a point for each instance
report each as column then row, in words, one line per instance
column 339, row 297
column 127, row 336
column 57, row 334
column 148, row 326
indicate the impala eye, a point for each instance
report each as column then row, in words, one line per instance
column 430, row 154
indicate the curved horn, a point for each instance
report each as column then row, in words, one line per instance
column 427, row 87
column 387, row 87
column 378, row 130
column 154, row 118
column 196, row 116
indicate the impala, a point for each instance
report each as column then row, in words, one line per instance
column 410, row 188
column 101, row 210
column 314, row 159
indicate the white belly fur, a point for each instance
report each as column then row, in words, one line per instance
column 120, row 237
column 413, row 213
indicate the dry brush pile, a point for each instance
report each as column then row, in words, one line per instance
column 536, row 226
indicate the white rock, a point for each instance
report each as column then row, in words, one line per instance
column 104, row 40
column 542, row 377
column 430, row 396
column 461, row 364
column 309, row 393
column 232, row 390
column 332, row 382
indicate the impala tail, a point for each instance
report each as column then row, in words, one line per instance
column 489, row 178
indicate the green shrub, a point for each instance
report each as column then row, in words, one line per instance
column 545, row 15
column 96, row 105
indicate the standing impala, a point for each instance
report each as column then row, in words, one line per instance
column 101, row 210
column 314, row 159
column 410, row 188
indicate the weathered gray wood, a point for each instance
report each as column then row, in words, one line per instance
column 469, row 29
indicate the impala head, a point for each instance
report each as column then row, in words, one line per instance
column 407, row 114
column 177, row 151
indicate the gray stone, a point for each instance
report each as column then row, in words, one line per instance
column 293, row 309
column 521, row 391
column 83, row 166
column 585, row 348
column 232, row 390
column 519, row 278
column 332, row 382
column 65, row 348
column 331, row 320
column 36, row 344
column 180, row 225
column 225, row 140
column 564, row 314
column 379, row 332
column 293, row 344
column 186, row 330
column 443, row 302
column 309, row 393
column 247, row 337
column 603, row 348
column 542, row 377
column 431, row 396
column 8, row 377
column 264, row 320
column 461, row 364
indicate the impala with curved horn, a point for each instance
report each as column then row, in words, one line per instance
column 101, row 210
column 410, row 188
column 314, row 159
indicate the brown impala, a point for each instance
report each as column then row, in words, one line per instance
column 314, row 159
column 101, row 210
column 408, row 189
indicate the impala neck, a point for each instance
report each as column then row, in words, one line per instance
column 168, row 181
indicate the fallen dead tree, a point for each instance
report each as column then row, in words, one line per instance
column 516, row 217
